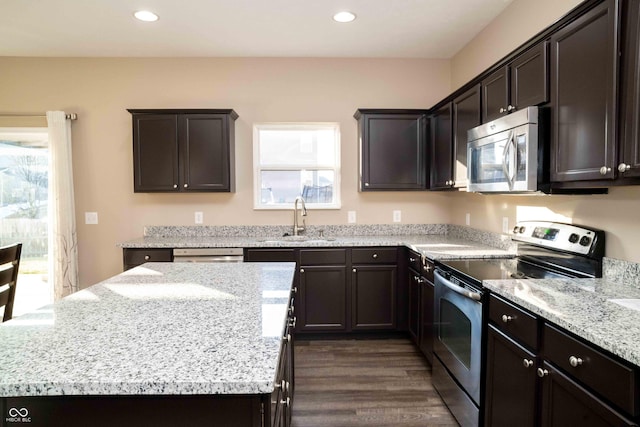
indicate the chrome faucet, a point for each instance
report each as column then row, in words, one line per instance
column 296, row 228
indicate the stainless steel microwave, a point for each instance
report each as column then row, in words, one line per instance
column 506, row 155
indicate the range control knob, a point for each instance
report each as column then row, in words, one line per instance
column 574, row 238
column 585, row 241
column 522, row 229
column 516, row 229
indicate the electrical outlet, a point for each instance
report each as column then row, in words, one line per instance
column 505, row 224
column 351, row 217
column 91, row 217
column 467, row 219
column 397, row 216
column 199, row 217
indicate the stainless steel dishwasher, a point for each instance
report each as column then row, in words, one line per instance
column 208, row 255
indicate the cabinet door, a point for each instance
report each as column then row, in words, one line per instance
column 495, row 95
column 155, row 152
column 466, row 115
column 529, row 77
column 510, row 383
column 205, row 152
column 373, row 297
column 323, row 297
column 441, row 148
column 565, row 403
column 414, row 306
column 426, row 319
column 393, row 151
column 583, row 96
column 630, row 161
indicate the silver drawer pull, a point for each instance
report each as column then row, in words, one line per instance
column 412, row 260
column 542, row 372
column 374, row 256
column 527, row 363
column 506, row 319
column 147, row 257
column 575, row 361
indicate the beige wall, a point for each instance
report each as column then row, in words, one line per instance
column 260, row 90
column 616, row 213
column 520, row 21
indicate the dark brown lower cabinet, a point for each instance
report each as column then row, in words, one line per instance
column 373, row 297
column 566, row 403
column 426, row 319
column 414, row 306
column 511, row 382
column 323, row 297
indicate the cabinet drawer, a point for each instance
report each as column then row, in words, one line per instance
column 373, row 256
column 514, row 321
column 140, row 256
column 323, row 257
column 414, row 260
column 607, row 377
column 270, row 255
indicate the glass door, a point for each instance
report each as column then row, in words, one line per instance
column 24, row 217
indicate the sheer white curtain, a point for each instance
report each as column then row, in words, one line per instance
column 63, row 265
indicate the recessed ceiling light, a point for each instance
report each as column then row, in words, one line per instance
column 344, row 17
column 146, row 16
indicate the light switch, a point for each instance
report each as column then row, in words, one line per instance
column 199, row 217
column 91, row 217
column 351, row 217
column 397, row 216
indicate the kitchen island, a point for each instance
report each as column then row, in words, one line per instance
column 162, row 344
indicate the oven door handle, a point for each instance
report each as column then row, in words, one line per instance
column 476, row 296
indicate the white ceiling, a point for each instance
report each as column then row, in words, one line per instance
column 243, row 28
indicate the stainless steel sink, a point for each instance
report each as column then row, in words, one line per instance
column 292, row 239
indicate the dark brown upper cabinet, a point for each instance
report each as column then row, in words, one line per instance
column 629, row 154
column 584, row 57
column 466, row 115
column 449, row 126
column 392, row 149
column 183, row 150
column 521, row 83
column 441, row 144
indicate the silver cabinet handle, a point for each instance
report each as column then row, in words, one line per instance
column 575, row 361
column 542, row 372
column 604, row 170
column 287, row 338
column 506, row 319
column 293, row 322
column 175, row 185
column 427, row 267
column 295, row 290
column 147, row 257
column 503, row 110
column 527, row 363
column 623, row 167
column 281, row 385
column 510, row 108
column 366, row 184
column 286, row 402
column 354, row 270
column 374, row 256
column 186, row 185
column 412, row 260
column 301, row 271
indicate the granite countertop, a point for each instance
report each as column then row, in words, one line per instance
column 604, row 312
column 161, row 328
column 432, row 246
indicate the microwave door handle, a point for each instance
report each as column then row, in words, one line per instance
column 513, row 143
column 505, row 164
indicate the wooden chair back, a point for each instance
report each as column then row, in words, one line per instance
column 9, row 263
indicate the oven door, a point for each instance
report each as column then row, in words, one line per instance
column 458, row 341
column 504, row 162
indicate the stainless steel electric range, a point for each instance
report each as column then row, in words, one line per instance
column 545, row 250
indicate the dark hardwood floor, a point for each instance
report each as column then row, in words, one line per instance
column 378, row 383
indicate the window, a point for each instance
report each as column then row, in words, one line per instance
column 292, row 160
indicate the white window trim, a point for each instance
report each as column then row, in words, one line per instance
column 257, row 167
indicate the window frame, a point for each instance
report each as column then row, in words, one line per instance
column 258, row 168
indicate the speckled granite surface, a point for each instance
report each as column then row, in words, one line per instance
column 625, row 272
column 161, row 328
column 604, row 312
column 435, row 241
